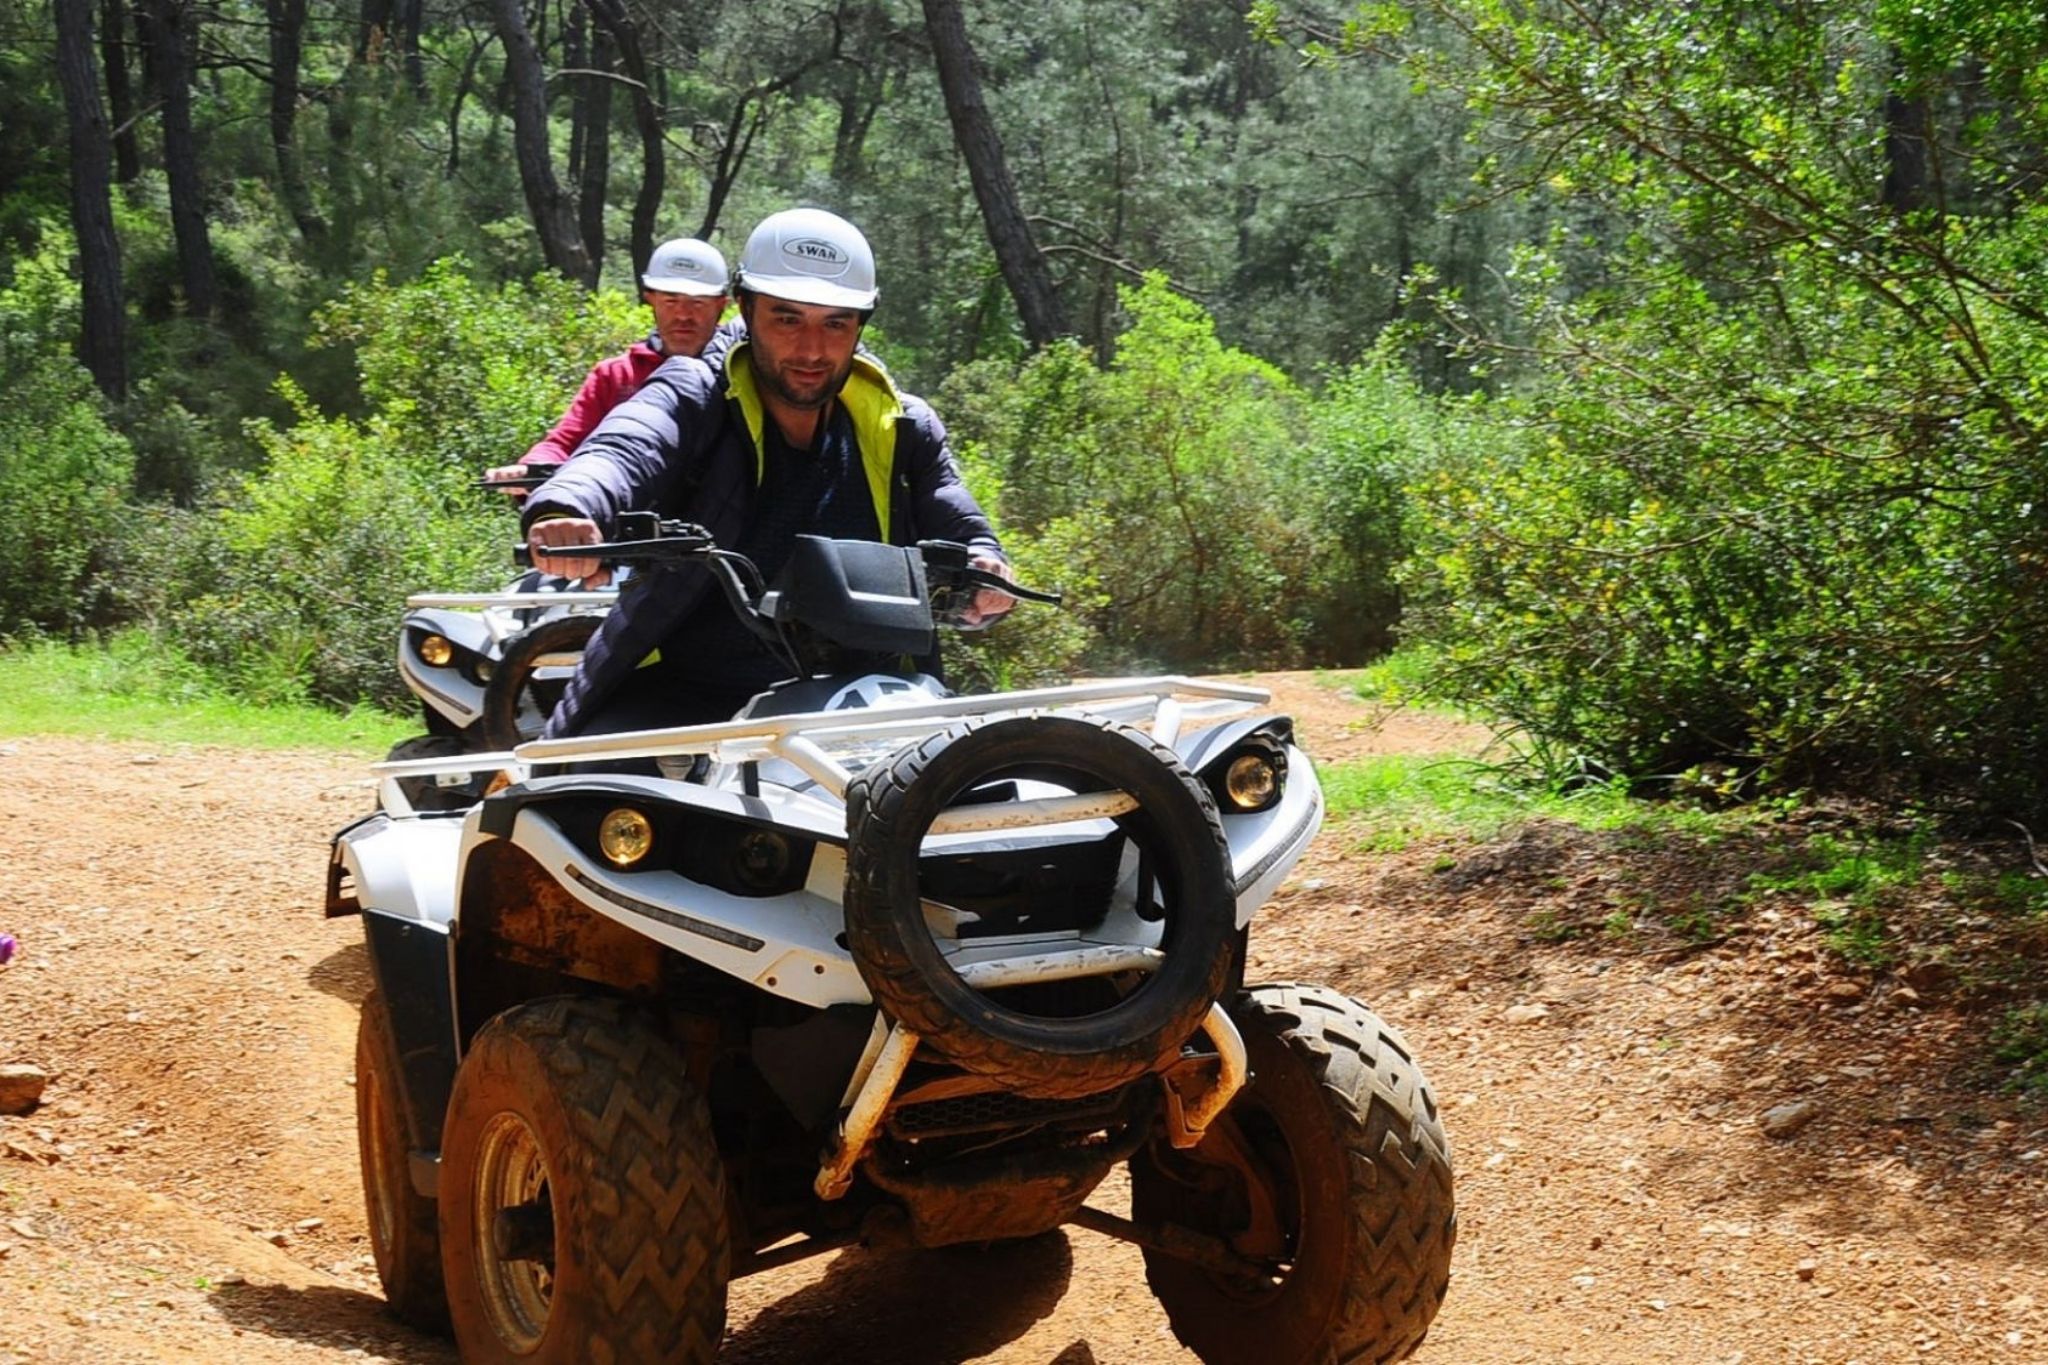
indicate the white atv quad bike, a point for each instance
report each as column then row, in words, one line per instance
column 488, row 668
column 888, row 967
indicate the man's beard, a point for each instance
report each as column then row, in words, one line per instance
column 770, row 378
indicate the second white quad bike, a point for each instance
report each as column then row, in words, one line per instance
column 489, row 667
column 876, row 965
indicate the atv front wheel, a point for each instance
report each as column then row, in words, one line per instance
column 1065, row 1045
column 1331, row 1172
column 405, row 1237
column 518, row 700
column 582, row 1198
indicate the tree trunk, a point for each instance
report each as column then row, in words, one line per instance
column 1905, row 153
column 373, row 31
column 173, row 32
column 479, row 45
column 120, row 95
column 554, row 214
column 287, row 29
column 411, row 19
column 101, row 343
column 974, row 132
column 625, row 36
column 594, row 124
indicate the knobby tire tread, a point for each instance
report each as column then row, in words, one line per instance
column 647, row 1177
column 409, row 1265
column 876, row 801
column 1397, row 1177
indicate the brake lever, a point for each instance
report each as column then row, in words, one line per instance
column 664, row 540
column 982, row 578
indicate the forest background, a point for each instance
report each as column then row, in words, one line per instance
column 1672, row 377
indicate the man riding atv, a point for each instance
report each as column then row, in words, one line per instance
column 799, row 434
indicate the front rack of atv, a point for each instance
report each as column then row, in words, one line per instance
column 802, row 739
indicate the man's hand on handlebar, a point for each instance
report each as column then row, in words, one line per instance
column 504, row 472
column 990, row 604
column 546, row 541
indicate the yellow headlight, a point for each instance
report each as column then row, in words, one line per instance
column 624, row 836
column 1251, row 782
column 436, row 650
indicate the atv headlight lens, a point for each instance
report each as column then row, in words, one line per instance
column 624, row 836
column 761, row 859
column 1252, row 782
column 437, row 651
column 484, row 669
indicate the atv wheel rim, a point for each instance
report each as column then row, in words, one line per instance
column 510, row 1173
column 383, row 1200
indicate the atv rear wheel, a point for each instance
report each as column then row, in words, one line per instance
column 518, row 700
column 582, row 1197
column 1331, row 1170
column 1044, row 1052
column 405, row 1237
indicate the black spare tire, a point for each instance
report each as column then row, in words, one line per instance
column 1093, row 1035
column 517, row 702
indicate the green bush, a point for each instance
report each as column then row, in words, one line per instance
column 469, row 376
column 1766, row 508
column 1229, row 519
column 293, row 589
column 1834, row 571
column 64, row 473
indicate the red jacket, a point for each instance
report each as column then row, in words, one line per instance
column 609, row 383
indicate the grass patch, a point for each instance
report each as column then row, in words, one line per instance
column 133, row 688
column 1847, row 886
column 1398, row 679
column 2019, row 1042
column 2010, row 895
column 1396, row 799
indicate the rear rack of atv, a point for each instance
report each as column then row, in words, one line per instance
column 1164, row 705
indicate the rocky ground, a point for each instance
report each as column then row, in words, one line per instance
column 187, row 1188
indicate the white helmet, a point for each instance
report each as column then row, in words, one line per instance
column 810, row 256
column 686, row 266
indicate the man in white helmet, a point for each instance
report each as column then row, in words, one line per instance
column 802, row 433
column 685, row 285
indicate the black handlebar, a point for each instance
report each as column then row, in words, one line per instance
column 645, row 538
column 952, row 584
column 534, row 476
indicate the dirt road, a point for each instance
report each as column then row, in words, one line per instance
column 188, row 1189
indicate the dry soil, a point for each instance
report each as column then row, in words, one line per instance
column 188, row 1189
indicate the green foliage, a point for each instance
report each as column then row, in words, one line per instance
column 1765, row 499
column 294, row 591
column 136, row 685
column 2020, row 1043
column 64, row 472
column 1228, row 517
column 469, row 376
